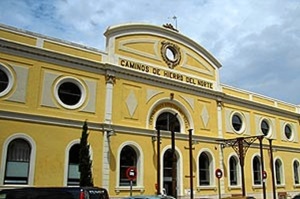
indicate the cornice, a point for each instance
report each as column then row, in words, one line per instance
column 30, row 52
column 101, row 127
column 40, row 54
column 100, row 68
column 36, row 35
column 169, row 84
column 258, row 106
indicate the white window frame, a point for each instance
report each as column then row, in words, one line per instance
column 66, row 169
column 282, row 175
column 242, row 117
column 11, row 79
column 211, row 169
column 140, row 167
column 32, row 157
column 269, row 122
column 298, row 170
column 252, row 171
column 238, row 171
column 292, row 131
column 75, row 81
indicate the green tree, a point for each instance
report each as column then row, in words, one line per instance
column 85, row 163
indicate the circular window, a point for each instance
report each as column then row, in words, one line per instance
column 70, row 93
column 288, row 131
column 265, row 127
column 6, row 80
column 170, row 54
column 237, row 122
column 3, row 81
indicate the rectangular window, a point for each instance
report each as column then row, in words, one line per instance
column 257, row 177
column 233, row 177
column 204, row 177
column 278, row 178
column 296, row 172
column 16, row 172
column 73, row 174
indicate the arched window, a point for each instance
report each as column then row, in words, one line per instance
column 73, row 165
column 278, row 172
column 17, row 162
column 296, row 172
column 204, row 169
column 233, row 171
column 166, row 121
column 256, row 170
column 128, row 159
column 168, row 171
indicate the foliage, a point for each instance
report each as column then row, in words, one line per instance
column 85, row 163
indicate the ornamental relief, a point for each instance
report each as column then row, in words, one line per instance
column 110, row 79
column 170, row 53
column 171, row 106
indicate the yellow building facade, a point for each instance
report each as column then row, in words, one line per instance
column 150, row 80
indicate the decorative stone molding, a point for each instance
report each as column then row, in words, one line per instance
column 170, row 53
column 171, row 106
column 110, row 79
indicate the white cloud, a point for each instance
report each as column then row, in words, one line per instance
column 256, row 41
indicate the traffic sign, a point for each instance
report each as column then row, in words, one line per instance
column 219, row 173
column 264, row 175
column 131, row 173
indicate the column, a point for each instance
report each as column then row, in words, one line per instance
column 220, row 135
column 110, row 81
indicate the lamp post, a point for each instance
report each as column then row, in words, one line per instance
column 241, row 153
column 241, row 146
column 191, row 176
column 191, row 163
column 262, row 165
column 158, row 160
column 174, row 158
column 272, row 168
column 174, row 162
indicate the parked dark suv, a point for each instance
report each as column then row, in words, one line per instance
column 55, row 193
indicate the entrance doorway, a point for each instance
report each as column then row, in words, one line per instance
column 168, row 186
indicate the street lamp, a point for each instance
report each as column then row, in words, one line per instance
column 158, row 159
column 260, row 138
column 191, row 148
column 174, row 158
column 241, row 146
column 272, row 168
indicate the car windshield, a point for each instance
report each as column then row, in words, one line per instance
column 2, row 195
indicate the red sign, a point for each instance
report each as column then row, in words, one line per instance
column 219, row 173
column 264, row 173
column 131, row 173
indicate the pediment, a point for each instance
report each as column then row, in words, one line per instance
column 161, row 49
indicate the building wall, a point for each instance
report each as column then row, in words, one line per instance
column 123, row 92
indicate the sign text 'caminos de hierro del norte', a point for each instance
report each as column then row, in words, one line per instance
column 165, row 73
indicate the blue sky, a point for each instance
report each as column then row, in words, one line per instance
column 257, row 42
